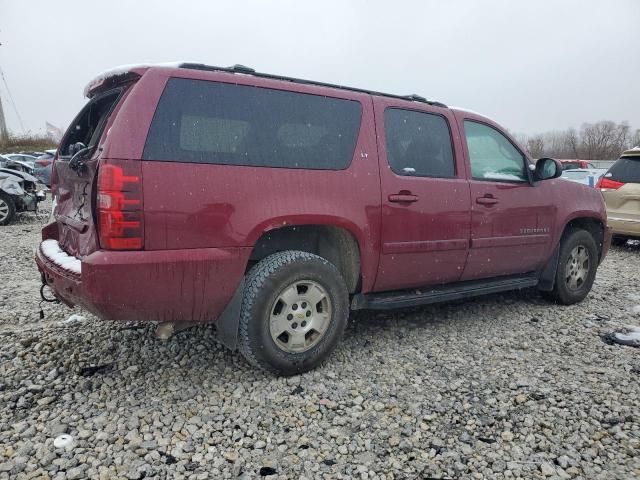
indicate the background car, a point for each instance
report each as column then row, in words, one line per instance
column 586, row 176
column 620, row 188
column 576, row 164
column 21, row 157
column 43, row 167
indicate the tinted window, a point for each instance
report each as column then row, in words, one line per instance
column 492, row 155
column 211, row 122
column 418, row 144
column 626, row 169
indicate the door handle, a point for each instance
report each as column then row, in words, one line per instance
column 486, row 200
column 403, row 198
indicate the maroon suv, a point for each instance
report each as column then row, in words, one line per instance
column 272, row 206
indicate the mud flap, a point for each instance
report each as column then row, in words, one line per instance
column 548, row 273
column 227, row 323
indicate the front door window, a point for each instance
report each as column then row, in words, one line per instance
column 493, row 157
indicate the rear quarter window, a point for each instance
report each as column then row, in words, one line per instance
column 211, row 122
column 626, row 169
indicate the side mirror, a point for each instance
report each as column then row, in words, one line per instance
column 547, row 168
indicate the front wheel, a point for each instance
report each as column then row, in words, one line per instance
column 577, row 265
column 294, row 311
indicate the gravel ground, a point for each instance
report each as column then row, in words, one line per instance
column 506, row 386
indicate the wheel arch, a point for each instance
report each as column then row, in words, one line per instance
column 336, row 243
column 591, row 224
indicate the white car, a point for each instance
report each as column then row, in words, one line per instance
column 586, row 176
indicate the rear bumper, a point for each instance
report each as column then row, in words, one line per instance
column 624, row 226
column 168, row 285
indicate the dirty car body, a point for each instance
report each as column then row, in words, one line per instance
column 164, row 206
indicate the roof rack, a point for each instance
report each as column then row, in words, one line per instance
column 241, row 69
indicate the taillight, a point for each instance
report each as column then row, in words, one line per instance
column 119, row 205
column 43, row 162
column 608, row 184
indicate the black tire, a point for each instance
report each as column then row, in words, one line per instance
column 264, row 284
column 618, row 241
column 562, row 293
column 7, row 201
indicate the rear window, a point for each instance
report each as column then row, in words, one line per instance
column 570, row 165
column 626, row 170
column 210, row 122
column 87, row 127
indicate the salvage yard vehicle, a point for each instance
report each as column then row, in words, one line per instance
column 586, row 176
column 273, row 206
column 18, row 193
column 620, row 188
column 43, row 167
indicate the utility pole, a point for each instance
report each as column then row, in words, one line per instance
column 4, row 134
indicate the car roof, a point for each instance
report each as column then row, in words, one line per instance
column 125, row 73
column 634, row 152
column 138, row 69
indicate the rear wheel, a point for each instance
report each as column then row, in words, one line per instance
column 294, row 310
column 577, row 265
column 7, row 209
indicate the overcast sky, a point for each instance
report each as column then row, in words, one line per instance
column 531, row 65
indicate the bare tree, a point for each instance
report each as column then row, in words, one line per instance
column 603, row 140
column 535, row 145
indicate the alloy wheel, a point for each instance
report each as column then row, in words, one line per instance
column 577, row 267
column 300, row 316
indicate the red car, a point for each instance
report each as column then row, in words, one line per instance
column 272, row 206
column 576, row 164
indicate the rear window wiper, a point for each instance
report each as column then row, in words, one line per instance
column 78, row 150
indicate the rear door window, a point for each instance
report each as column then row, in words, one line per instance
column 492, row 155
column 418, row 144
column 626, row 170
column 211, row 122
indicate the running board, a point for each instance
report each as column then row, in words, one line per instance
column 457, row 291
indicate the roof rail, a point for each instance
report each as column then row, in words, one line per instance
column 241, row 69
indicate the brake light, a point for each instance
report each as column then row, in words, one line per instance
column 119, row 204
column 43, row 162
column 608, row 184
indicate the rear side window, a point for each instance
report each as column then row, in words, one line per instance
column 418, row 144
column 211, row 122
column 626, row 170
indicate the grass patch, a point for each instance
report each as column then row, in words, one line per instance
column 25, row 143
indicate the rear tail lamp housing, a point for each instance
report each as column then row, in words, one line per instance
column 607, row 184
column 119, row 205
